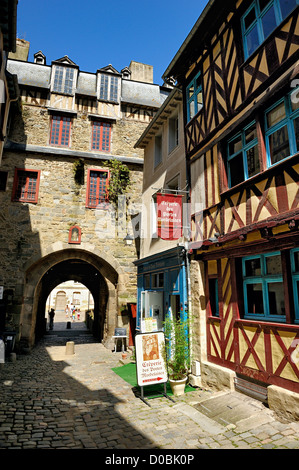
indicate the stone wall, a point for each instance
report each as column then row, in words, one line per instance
column 28, row 229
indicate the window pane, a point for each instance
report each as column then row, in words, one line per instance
column 263, row 4
column 213, row 294
column 252, row 40
column 114, row 88
column 295, row 99
column 192, row 109
column 236, row 170
column 250, row 134
column 279, row 145
column 273, row 264
column 269, row 22
column 199, row 101
column 147, row 278
column 191, row 91
column 296, row 127
column 276, row 115
column 286, row 7
column 276, row 298
column 296, row 259
column 255, row 298
column 249, row 18
column 235, row 145
column 104, row 87
column 253, row 163
column 253, row 267
column 296, row 300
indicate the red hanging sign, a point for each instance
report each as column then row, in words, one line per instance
column 169, row 216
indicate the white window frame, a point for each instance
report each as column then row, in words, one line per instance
column 64, row 69
column 106, row 87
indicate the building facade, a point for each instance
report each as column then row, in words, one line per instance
column 162, row 269
column 238, row 70
column 8, row 82
column 70, row 146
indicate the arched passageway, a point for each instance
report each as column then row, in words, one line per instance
column 104, row 279
column 83, row 272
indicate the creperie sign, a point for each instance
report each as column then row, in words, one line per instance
column 169, row 216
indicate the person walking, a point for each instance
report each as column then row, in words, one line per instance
column 67, row 311
column 51, row 316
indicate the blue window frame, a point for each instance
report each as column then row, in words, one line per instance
column 194, row 97
column 282, row 128
column 263, row 287
column 261, row 18
column 243, row 156
column 295, row 280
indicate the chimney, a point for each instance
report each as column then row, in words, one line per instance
column 141, row 72
column 22, row 50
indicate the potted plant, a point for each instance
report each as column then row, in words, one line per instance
column 177, row 353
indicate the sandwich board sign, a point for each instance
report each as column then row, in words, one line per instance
column 150, row 360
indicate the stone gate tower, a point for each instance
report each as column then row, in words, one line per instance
column 58, row 220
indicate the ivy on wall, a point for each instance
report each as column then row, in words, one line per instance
column 119, row 180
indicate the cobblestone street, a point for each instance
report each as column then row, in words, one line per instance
column 50, row 400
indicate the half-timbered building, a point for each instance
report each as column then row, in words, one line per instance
column 238, row 69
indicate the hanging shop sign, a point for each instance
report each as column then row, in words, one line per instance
column 169, row 216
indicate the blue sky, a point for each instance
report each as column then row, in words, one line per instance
column 95, row 33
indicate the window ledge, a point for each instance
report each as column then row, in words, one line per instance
column 266, row 324
column 212, row 318
column 61, row 111
column 194, row 117
column 267, row 40
column 260, row 176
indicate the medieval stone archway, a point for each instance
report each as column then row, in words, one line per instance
column 100, row 273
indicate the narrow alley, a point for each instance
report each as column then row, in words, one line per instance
column 54, row 400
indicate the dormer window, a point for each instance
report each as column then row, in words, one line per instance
column 39, row 58
column 63, row 79
column 108, row 89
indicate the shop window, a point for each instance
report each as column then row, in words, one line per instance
column 26, row 185
column 100, row 139
column 157, row 280
column 243, row 156
column 260, row 19
column 97, row 188
column 263, row 287
column 60, row 131
column 194, row 98
column 147, row 281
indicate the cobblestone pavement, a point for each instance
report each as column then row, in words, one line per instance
column 50, row 400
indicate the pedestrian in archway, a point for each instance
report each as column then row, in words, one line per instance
column 74, row 313
column 67, row 311
column 51, row 316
